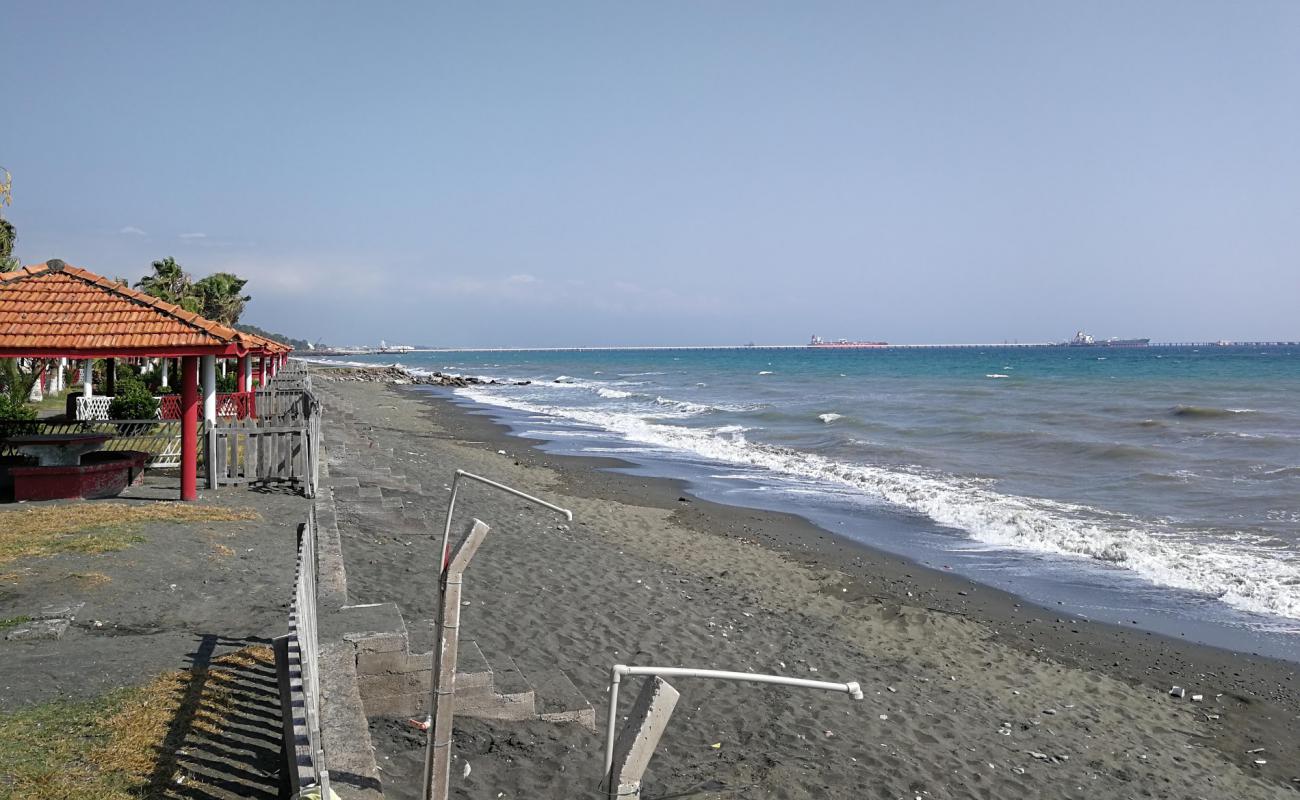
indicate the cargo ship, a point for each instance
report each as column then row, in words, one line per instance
column 1082, row 339
column 842, row 344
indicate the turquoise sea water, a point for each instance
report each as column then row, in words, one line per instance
column 1130, row 482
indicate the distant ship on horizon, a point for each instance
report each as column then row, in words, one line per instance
column 842, row 344
column 1082, row 339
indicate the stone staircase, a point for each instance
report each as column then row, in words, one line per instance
column 393, row 681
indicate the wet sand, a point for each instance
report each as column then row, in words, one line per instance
column 970, row 692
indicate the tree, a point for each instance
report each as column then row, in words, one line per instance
column 170, row 282
column 220, row 297
column 8, row 235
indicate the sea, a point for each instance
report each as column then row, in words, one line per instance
column 1154, row 487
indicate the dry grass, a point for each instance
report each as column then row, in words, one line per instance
column 120, row 746
column 88, row 580
column 95, row 527
column 223, row 550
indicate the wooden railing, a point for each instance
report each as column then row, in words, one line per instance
column 282, row 444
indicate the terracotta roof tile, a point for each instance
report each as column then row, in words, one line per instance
column 55, row 306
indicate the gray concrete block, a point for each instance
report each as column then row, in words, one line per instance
column 399, row 705
column 58, row 610
column 372, row 628
column 558, row 700
column 344, row 731
column 393, row 683
column 641, row 733
column 38, row 629
column 515, row 707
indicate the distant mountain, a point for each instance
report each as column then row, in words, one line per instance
column 296, row 344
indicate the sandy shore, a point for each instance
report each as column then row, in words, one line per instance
column 970, row 692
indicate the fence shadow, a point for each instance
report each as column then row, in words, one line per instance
column 225, row 737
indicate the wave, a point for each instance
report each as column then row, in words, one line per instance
column 765, row 372
column 1265, row 582
column 612, row 394
column 1199, row 411
column 828, row 418
column 996, row 375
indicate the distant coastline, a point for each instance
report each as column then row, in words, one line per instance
column 367, row 351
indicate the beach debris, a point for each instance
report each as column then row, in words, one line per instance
column 1049, row 711
column 1037, row 755
column 1259, row 762
column 419, row 724
column 501, row 452
column 716, row 746
column 884, row 717
column 465, row 772
column 1177, row 691
column 1253, row 752
column 1196, row 698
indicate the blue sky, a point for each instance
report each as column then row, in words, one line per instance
column 494, row 174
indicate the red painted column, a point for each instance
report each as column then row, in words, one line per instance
column 261, row 371
column 189, row 427
column 244, row 378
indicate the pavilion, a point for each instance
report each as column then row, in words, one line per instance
column 58, row 311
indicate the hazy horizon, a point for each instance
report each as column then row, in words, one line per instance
column 617, row 174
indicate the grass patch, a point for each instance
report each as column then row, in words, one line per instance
column 14, row 622
column 95, row 527
column 121, row 746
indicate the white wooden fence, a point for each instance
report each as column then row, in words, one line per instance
column 299, row 667
column 275, row 447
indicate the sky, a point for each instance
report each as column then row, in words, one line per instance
column 566, row 174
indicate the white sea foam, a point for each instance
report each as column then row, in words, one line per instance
column 996, row 375
column 765, row 372
column 684, row 407
column 612, row 394
column 1239, row 573
column 828, row 418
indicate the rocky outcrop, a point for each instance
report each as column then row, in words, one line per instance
column 397, row 375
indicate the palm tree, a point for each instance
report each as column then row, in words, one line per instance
column 169, row 282
column 220, row 297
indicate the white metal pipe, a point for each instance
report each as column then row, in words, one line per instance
column 619, row 670
column 451, row 505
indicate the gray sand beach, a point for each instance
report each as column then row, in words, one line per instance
column 970, row 692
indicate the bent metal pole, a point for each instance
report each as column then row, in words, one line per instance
column 437, row 756
column 852, row 689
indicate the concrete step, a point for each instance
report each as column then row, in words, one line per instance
column 558, row 700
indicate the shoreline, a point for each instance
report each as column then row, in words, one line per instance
column 1138, row 657
column 1255, row 697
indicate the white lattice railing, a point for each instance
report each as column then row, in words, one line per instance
column 94, row 407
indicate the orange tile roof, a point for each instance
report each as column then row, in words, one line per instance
column 56, row 306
